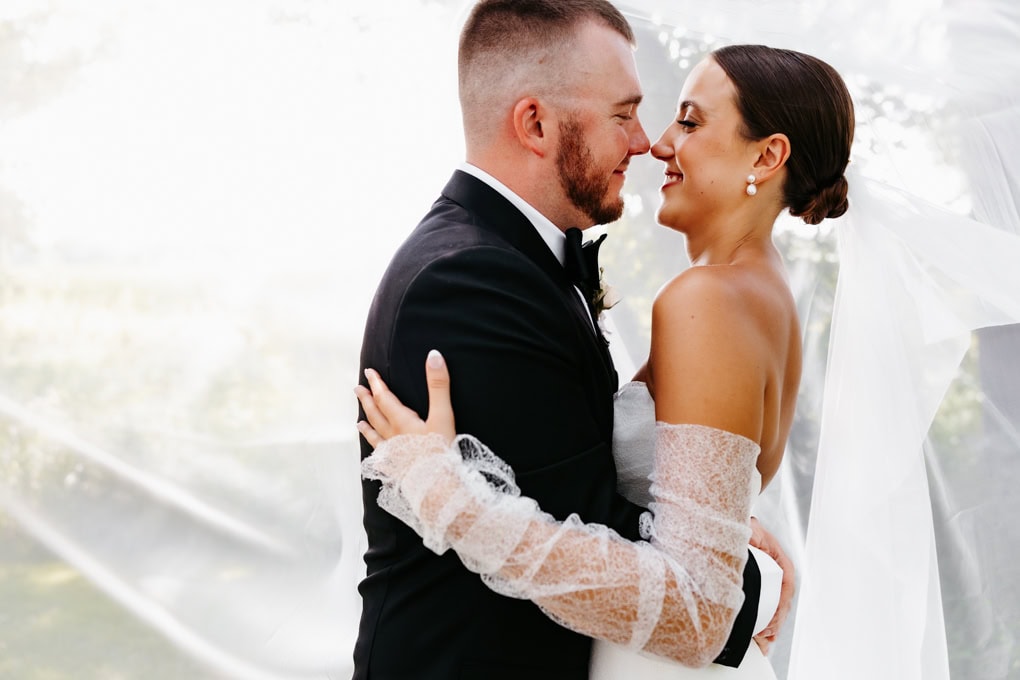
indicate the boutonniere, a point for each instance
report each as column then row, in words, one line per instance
column 605, row 296
column 601, row 294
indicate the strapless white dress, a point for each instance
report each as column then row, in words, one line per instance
column 633, row 446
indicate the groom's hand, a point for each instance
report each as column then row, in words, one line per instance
column 766, row 542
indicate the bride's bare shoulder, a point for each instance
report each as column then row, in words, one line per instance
column 702, row 290
column 728, row 293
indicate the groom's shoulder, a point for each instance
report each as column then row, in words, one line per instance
column 452, row 237
column 450, row 224
column 449, row 227
column 470, row 241
column 468, row 215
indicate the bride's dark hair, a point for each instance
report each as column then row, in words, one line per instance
column 782, row 91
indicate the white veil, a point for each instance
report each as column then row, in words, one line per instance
column 196, row 209
column 914, row 282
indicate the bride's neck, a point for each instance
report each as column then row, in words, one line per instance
column 729, row 235
column 729, row 248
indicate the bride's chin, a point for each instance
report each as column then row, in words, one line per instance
column 668, row 220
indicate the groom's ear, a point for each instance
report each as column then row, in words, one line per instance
column 772, row 154
column 530, row 121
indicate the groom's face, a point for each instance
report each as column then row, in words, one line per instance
column 599, row 131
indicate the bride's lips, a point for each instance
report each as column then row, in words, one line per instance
column 672, row 178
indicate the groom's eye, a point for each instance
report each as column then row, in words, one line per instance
column 627, row 113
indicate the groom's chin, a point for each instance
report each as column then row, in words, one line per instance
column 610, row 211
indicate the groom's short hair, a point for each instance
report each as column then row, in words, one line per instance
column 512, row 48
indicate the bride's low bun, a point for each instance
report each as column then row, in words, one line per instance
column 802, row 97
column 828, row 202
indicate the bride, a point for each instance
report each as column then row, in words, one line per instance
column 758, row 130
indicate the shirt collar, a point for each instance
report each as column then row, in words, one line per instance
column 550, row 233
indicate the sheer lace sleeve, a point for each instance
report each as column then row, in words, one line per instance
column 674, row 596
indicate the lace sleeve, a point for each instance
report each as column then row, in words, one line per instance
column 674, row 596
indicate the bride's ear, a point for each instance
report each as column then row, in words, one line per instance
column 773, row 151
column 531, row 125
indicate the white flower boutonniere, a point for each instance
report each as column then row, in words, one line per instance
column 605, row 296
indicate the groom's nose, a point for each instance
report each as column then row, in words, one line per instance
column 639, row 143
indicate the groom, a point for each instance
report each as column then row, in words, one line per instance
column 549, row 92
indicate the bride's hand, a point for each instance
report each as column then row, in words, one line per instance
column 387, row 416
column 766, row 542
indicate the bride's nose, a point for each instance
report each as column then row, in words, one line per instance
column 663, row 148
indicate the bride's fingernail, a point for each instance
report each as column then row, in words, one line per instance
column 435, row 359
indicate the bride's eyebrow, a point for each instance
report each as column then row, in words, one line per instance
column 689, row 104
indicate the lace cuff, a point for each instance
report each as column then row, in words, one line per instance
column 674, row 596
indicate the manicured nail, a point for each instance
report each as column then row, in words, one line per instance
column 435, row 359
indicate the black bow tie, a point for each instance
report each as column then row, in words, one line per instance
column 582, row 263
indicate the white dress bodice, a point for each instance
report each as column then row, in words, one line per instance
column 633, row 449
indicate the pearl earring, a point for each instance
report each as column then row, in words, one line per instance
column 751, row 188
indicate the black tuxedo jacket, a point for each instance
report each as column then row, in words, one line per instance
column 531, row 380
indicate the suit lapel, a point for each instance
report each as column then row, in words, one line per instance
column 500, row 216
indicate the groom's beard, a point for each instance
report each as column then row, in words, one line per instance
column 586, row 188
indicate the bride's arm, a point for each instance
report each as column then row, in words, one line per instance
column 675, row 596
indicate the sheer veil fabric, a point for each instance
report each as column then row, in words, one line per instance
column 914, row 282
column 182, row 288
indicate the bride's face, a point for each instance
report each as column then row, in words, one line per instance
column 707, row 159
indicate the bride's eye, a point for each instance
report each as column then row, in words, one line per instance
column 688, row 124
